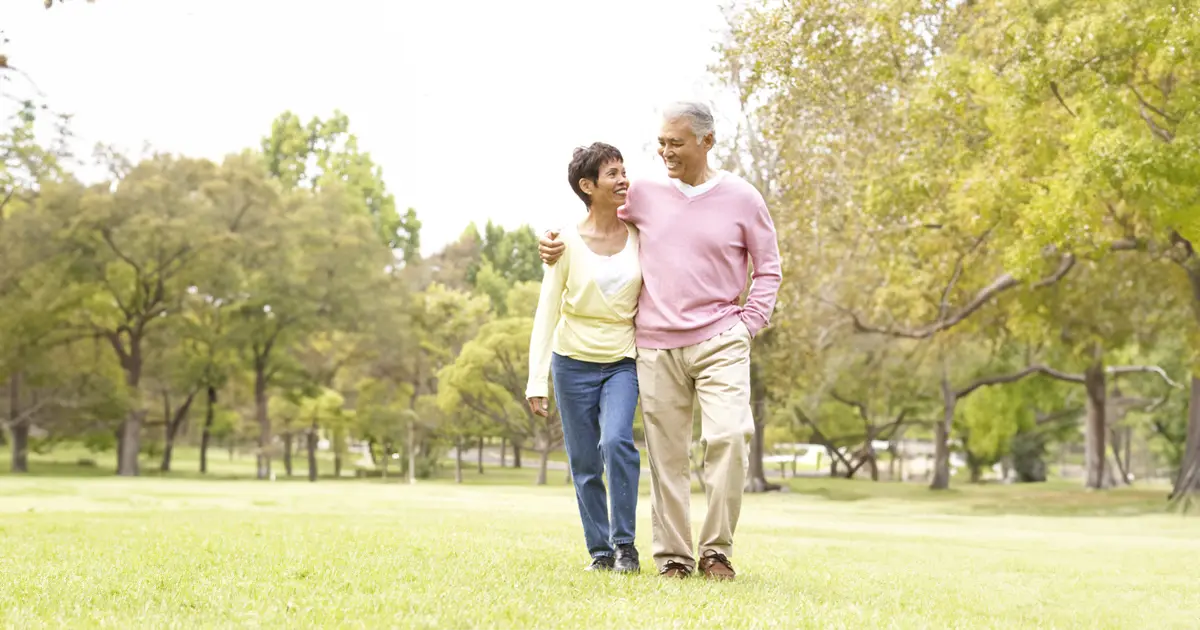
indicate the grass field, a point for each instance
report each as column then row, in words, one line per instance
column 497, row 552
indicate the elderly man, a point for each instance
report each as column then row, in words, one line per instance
column 699, row 232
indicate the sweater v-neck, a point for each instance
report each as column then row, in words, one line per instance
column 692, row 198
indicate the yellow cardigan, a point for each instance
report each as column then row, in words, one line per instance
column 575, row 318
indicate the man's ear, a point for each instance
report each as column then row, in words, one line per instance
column 709, row 141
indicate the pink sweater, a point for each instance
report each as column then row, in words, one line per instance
column 695, row 254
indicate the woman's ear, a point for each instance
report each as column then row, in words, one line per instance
column 587, row 186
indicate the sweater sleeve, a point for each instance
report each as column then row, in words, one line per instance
column 763, row 246
column 545, row 321
column 628, row 212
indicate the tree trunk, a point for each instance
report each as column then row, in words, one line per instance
column 1120, row 465
column 174, row 423
column 1187, row 482
column 385, row 448
column 130, row 433
column 1128, row 443
column 312, row 452
column 941, row 437
column 207, row 434
column 287, row 452
column 1097, row 426
column 168, row 449
column 976, row 472
column 337, row 463
column 120, row 435
column 19, row 426
column 503, row 452
column 458, row 449
column 544, row 464
column 130, row 444
column 263, row 458
column 479, row 455
column 412, row 450
column 756, row 479
column 516, row 454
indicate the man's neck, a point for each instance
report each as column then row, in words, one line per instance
column 705, row 175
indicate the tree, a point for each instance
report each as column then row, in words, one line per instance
column 320, row 153
column 489, row 378
column 441, row 321
column 1085, row 106
column 310, row 262
column 324, row 407
column 512, row 255
column 144, row 238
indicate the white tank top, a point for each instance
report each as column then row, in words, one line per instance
column 612, row 273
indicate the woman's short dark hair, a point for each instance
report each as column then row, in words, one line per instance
column 586, row 163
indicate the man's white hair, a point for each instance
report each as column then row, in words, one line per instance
column 698, row 115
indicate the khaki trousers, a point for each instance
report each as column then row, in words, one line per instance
column 716, row 374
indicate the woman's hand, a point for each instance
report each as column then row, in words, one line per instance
column 540, row 406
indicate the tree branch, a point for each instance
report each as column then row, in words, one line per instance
column 862, row 408
column 1146, row 104
column 1058, row 95
column 1134, row 369
column 1159, row 132
column 1044, row 419
column 1001, row 284
column 106, row 234
column 998, row 380
column 1064, row 267
column 1078, row 379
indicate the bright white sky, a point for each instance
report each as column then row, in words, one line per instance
column 471, row 107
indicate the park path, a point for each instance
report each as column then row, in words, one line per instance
column 529, row 459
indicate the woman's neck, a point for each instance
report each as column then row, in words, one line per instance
column 603, row 220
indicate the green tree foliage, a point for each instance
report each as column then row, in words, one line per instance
column 489, row 378
column 511, row 255
column 320, row 153
column 943, row 155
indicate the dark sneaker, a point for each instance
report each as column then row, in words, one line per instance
column 675, row 570
column 627, row 559
column 601, row 563
column 715, row 566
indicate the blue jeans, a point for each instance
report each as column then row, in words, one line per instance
column 597, row 401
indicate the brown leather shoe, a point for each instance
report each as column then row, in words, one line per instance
column 675, row 570
column 715, row 566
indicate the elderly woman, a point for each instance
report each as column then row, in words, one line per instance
column 583, row 335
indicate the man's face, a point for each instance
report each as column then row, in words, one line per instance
column 610, row 186
column 685, row 156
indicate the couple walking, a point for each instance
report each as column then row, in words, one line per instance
column 643, row 295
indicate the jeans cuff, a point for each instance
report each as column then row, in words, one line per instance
column 602, row 554
column 624, row 541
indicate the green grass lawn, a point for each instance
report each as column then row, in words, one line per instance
column 158, row 552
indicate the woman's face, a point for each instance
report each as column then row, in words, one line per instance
column 611, row 185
